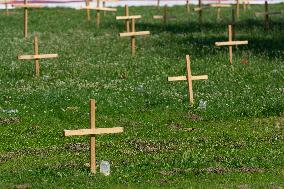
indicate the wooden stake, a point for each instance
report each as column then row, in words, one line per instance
column 230, row 43
column 244, row 5
column 104, row 5
column 189, row 78
column 6, row 7
column 238, row 9
column 200, row 11
column 98, row 14
column 36, row 53
column 233, row 23
column 92, row 132
column 88, row 10
column 187, row 6
column 158, row 4
column 36, row 56
column 230, row 40
column 266, row 17
column 189, row 81
column 165, row 14
column 26, row 20
column 133, row 37
column 218, row 10
column 92, row 138
column 127, row 26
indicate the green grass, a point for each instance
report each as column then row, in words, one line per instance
column 237, row 142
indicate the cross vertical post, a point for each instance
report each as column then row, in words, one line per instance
column 36, row 53
column 165, row 14
column 92, row 138
column 6, row 7
column 133, row 49
column 233, row 23
column 158, row 4
column 238, row 8
column 189, row 81
column 26, row 19
column 88, row 10
column 230, row 40
column 127, row 21
column 244, row 5
column 98, row 14
column 200, row 11
column 218, row 10
column 104, row 5
column 266, row 17
column 187, row 6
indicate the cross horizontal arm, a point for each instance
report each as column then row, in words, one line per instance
column 105, row 9
column 128, row 17
column 129, row 34
column 96, row 131
column 40, row 56
column 98, row 8
column 230, row 43
column 183, row 78
column 158, row 17
column 198, row 9
column 199, row 77
column 27, row 6
column 219, row 5
column 177, row 78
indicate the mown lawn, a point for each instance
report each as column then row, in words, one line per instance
column 236, row 142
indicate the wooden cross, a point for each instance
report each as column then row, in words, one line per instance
column 127, row 21
column 230, row 43
column 92, row 132
column 98, row 9
column 105, row 1
column 219, row 6
column 238, row 8
column 26, row 6
column 36, row 56
column 189, row 78
column 165, row 17
column 133, row 32
column 187, row 6
column 266, row 14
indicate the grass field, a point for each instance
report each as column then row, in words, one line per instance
column 236, row 142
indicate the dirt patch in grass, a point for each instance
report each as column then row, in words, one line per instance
column 209, row 170
column 9, row 120
column 73, row 147
column 152, row 146
column 22, row 186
